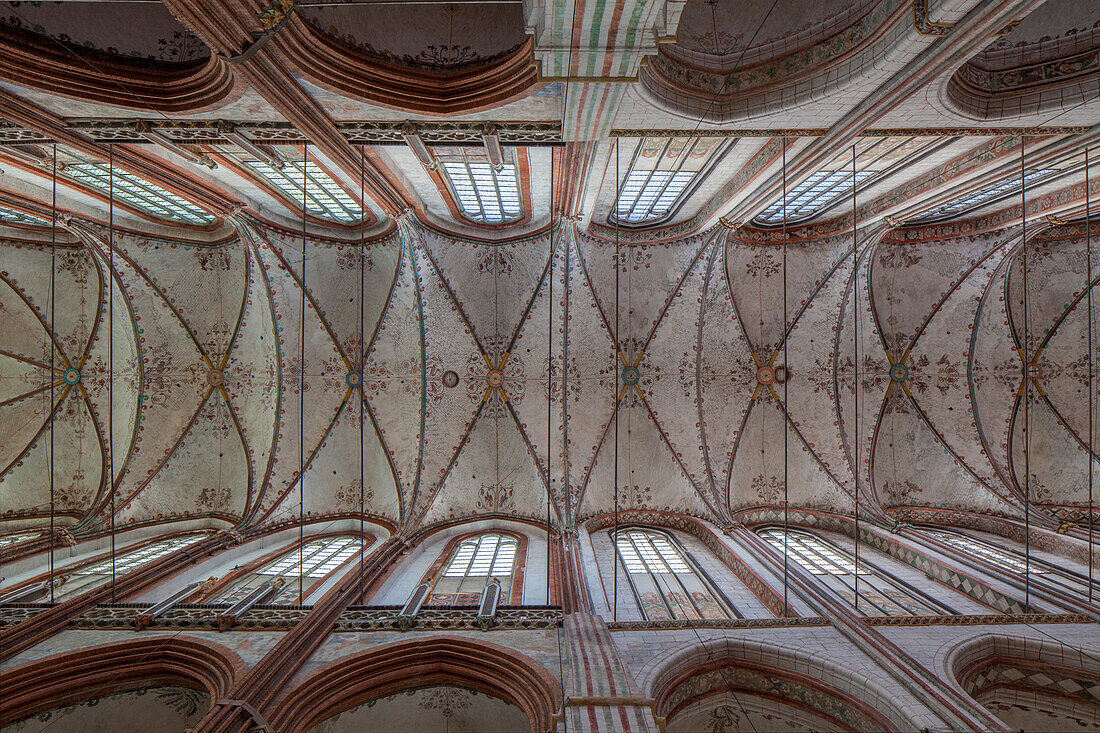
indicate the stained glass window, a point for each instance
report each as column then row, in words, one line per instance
column 878, row 594
column 661, row 174
column 665, row 582
column 309, row 563
column 137, row 192
column 134, row 558
column 485, row 195
column 473, row 564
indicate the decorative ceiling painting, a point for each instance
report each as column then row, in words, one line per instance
column 441, row 344
column 664, row 257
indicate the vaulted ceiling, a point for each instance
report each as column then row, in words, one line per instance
column 637, row 322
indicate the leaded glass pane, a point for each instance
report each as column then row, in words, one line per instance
column 137, row 192
column 665, row 583
column 135, row 558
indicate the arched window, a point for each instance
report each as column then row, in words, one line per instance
column 666, row 582
column 14, row 539
column 473, row 564
column 876, row 159
column 136, row 192
column 485, row 193
column 92, row 574
column 661, row 174
column 1041, row 572
column 879, row 594
column 309, row 564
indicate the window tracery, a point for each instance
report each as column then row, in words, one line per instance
column 92, row 574
column 976, row 199
column 127, row 561
column 473, row 564
column 485, row 194
column 665, row 581
column 136, row 192
column 325, row 197
column 301, row 568
column 661, row 175
column 879, row 594
column 18, row 217
column 876, row 158
column 1050, row 575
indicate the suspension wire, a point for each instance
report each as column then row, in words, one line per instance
column 855, row 373
column 53, row 373
column 786, row 404
column 615, row 389
column 1088, row 301
column 561, row 583
column 302, row 391
column 111, row 351
column 1027, row 389
column 723, row 670
column 362, row 365
column 549, row 403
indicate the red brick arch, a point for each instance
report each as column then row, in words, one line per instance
column 439, row 660
column 86, row 673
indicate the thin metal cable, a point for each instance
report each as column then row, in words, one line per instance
column 615, row 389
column 549, row 402
column 53, row 372
column 786, row 404
column 1027, row 388
column 723, row 671
column 361, row 366
column 1088, row 301
column 855, row 373
column 550, row 452
column 302, row 390
column 111, row 352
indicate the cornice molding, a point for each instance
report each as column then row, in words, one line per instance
column 95, row 76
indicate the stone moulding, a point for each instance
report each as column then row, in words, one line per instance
column 204, row 132
column 437, row 660
column 39, row 63
column 204, row 616
column 333, row 65
column 68, row 678
column 734, row 623
column 980, row 619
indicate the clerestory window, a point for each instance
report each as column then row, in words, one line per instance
column 136, row 192
column 977, row 199
column 665, row 581
column 301, row 569
column 127, row 561
column 1042, row 573
column 876, row 593
column 18, row 217
column 473, row 564
column 875, row 158
column 14, row 539
column 661, row 174
column 484, row 194
column 325, row 198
